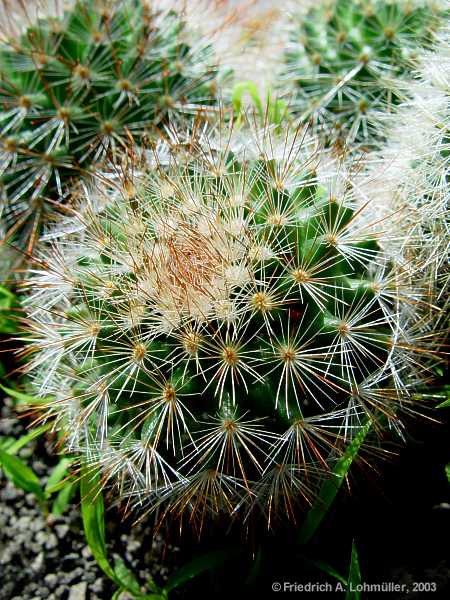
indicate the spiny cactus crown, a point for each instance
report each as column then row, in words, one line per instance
column 214, row 335
column 345, row 55
column 83, row 87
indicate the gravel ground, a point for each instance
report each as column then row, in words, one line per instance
column 46, row 557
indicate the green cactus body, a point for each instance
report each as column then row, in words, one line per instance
column 78, row 89
column 216, row 335
column 345, row 57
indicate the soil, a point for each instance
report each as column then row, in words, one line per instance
column 47, row 558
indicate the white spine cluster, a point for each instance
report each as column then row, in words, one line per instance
column 409, row 177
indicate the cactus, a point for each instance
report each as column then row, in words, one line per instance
column 86, row 86
column 213, row 333
column 345, row 56
column 409, row 174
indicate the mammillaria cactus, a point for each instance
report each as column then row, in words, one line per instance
column 85, row 86
column 219, row 328
column 409, row 174
column 345, row 56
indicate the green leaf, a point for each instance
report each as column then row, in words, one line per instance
column 441, row 393
column 93, row 515
column 206, row 562
column 446, row 393
column 6, row 293
column 7, row 301
column 64, row 497
column 27, row 438
column 246, row 87
column 6, row 442
column 447, row 471
column 331, row 486
column 326, row 568
column 21, row 475
column 24, row 398
column 57, row 475
column 127, row 579
column 276, row 110
column 354, row 576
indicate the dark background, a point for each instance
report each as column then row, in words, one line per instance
column 397, row 513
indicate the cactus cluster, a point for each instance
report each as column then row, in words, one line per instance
column 221, row 309
column 218, row 328
column 409, row 174
column 345, row 58
column 78, row 88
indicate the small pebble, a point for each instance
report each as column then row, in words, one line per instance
column 51, row 580
column 61, row 531
column 78, row 591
